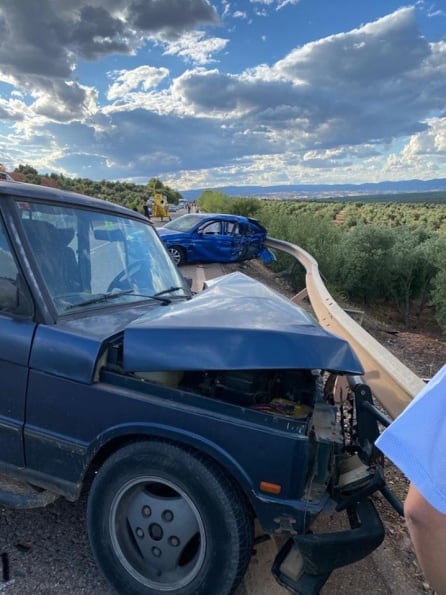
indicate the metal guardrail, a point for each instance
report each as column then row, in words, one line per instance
column 392, row 383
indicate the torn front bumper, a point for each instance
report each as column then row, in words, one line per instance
column 306, row 561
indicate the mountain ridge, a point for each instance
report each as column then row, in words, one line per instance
column 280, row 190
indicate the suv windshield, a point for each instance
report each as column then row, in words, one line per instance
column 90, row 259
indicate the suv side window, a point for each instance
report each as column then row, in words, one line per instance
column 11, row 300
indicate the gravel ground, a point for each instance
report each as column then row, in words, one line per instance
column 47, row 552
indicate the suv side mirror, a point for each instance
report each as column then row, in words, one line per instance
column 8, row 295
column 13, row 299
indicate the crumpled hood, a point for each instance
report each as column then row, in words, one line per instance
column 236, row 323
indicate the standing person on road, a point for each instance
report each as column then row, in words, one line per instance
column 416, row 443
column 148, row 207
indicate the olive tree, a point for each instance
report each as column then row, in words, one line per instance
column 438, row 293
column 411, row 270
column 361, row 271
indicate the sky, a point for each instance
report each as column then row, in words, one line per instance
column 205, row 94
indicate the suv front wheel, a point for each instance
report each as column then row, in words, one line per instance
column 162, row 519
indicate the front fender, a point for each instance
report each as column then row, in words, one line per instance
column 114, row 437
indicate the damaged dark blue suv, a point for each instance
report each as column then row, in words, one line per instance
column 186, row 416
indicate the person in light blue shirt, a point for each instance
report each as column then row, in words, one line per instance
column 416, row 443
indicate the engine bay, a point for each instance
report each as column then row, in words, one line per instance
column 288, row 393
column 257, row 388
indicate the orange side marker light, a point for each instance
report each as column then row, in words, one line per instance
column 270, row 488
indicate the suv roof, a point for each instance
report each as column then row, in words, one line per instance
column 48, row 194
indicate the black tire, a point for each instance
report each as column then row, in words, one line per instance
column 178, row 254
column 162, row 519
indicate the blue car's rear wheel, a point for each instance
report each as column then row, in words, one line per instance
column 163, row 519
column 178, row 254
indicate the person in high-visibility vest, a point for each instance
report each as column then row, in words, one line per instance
column 160, row 207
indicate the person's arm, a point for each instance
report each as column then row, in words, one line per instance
column 427, row 528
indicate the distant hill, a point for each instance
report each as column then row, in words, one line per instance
column 133, row 195
column 325, row 190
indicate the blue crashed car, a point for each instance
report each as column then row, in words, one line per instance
column 205, row 237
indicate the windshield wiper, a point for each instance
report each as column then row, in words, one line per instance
column 169, row 290
column 105, row 297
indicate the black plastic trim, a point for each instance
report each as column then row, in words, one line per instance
column 322, row 553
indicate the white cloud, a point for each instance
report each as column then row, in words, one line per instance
column 431, row 142
column 143, row 77
column 284, row 3
column 376, row 52
column 277, row 4
column 195, row 47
